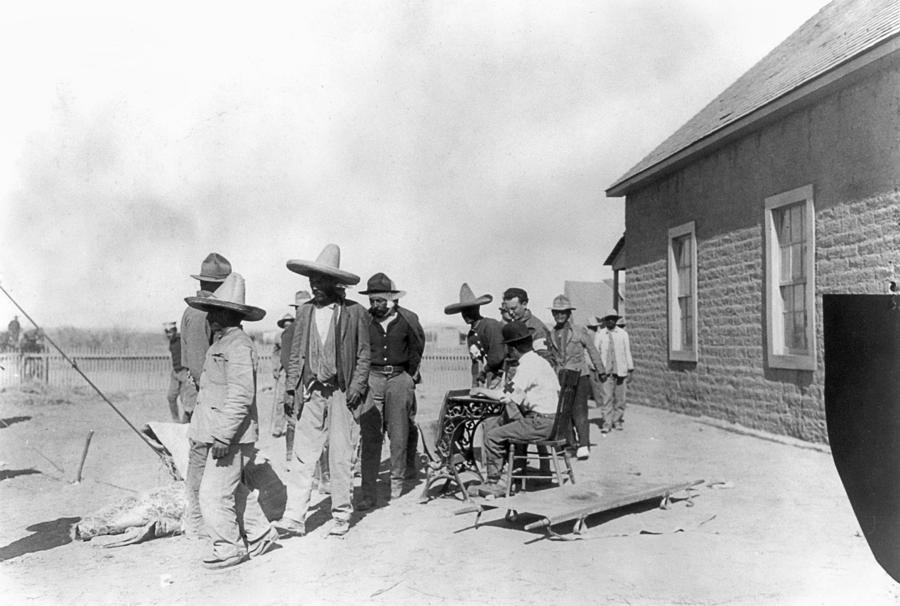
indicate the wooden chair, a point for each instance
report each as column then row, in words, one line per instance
column 556, row 445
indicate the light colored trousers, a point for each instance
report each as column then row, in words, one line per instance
column 325, row 419
column 230, row 510
column 614, row 389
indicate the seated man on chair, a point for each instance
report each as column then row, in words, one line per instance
column 531, row 397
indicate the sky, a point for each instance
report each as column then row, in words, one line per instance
column 437, row 142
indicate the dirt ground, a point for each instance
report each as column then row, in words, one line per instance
column 771, row 526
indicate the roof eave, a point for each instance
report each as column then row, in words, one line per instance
column 840, row 76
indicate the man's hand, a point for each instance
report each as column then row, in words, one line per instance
column 219, row 449
column 354, row 399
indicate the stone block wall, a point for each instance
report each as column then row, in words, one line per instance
column 856, row 184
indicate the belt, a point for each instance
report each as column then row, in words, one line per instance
column 541, row 415
column 387, row 369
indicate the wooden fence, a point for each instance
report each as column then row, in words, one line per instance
column 115, row 372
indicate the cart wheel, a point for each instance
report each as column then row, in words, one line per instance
column 511, row 515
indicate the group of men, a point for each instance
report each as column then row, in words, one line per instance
column 348, row 372
column 349, row 375
column 600, row 352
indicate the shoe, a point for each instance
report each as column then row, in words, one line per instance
column 604, row 431
column 619, row 426
column 396, row 489
column 263, row 544
column 492, row 490
column 582, row 453
column 365, row 503
column 289, row 528
column 339, row 528
column 216, row 563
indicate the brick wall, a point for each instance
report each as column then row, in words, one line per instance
column 848, row 147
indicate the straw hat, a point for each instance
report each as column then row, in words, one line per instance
column 230, row 295
column 328, row 263
column 467, row 298
column 380, row 284
column 284, row 320
column 169, row 326
column 561, row 303
column 612, row 313
column 301, row 297
column 215, row 268
column 621, row 321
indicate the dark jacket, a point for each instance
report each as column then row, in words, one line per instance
column 352, row 353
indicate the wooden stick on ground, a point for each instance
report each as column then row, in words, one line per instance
column 87, row 445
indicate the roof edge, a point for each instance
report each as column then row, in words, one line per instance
column 809, row 90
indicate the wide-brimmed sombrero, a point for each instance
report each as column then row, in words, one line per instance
column 380, row 284
column 230, row 295
column 328, row 263
column 467, row 299
column 215, row 268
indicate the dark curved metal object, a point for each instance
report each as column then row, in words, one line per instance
column 862, row 410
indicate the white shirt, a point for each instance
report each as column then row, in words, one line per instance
column 323, row 319
column 621, row 362
column 535, row 385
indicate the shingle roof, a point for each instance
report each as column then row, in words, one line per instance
column 839, row 32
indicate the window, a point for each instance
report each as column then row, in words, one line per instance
column 790, row 280
column 683, row 293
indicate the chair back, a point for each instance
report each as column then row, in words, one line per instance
column 562, row 426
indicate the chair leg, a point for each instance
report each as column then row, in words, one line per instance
column 510, row 460
column 559, row 478
column 569, row 467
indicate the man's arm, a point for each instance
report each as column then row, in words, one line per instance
column 416, row 341
column 496, row 353
column 588, row 341
column 359, row 321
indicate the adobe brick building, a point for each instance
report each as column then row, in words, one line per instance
column 785, row 187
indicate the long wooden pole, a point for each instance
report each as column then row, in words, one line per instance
column 143, row 437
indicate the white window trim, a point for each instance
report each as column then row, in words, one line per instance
column 682, row 355
column 774, row 308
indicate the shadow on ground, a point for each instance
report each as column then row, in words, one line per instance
column 4, row 423
column 45, row 535
column 6, row 474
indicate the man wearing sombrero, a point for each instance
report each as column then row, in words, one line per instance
column 397, row 342
column 329, row 369
column 484, row 340
column 226, row 422
column 195, row 339
column 575, row 350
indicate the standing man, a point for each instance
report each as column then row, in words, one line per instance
column 196, row 336
column 516, row 302
column 280, row 351
column 397, row 342
column 617, row 365
column 531, row 397
column 329, row 369
column 227, row 424
column 573, row 344
column 178, row 380
column 484, row 340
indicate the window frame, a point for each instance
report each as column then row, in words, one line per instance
column 777, row 352
column 674, row 310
